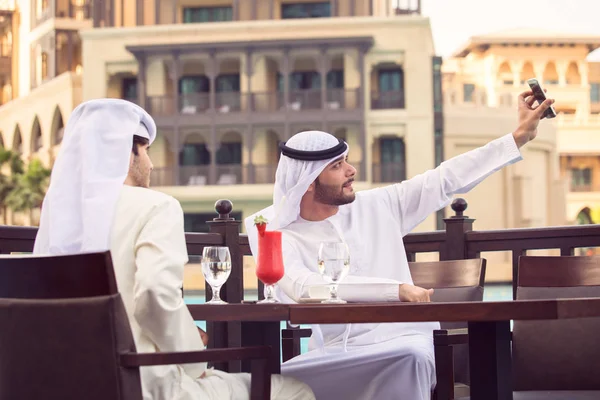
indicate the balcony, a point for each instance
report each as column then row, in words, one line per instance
column 387, row 100
column 79, row 10
column 231, row 106
column 219, row 174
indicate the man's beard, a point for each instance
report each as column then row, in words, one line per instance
column 139, row 177
column 333, row 195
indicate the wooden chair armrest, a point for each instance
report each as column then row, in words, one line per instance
column 130, row 360
column 260, row 378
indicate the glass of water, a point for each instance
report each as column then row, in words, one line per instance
column 334, row 264
column 216, row 267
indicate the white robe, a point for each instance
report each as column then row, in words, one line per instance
column 377, row 361
column 149, row 253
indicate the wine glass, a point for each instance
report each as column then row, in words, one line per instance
column 334, row 264
column 216, row 267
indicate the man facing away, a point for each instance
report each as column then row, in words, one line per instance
column 314, row 202
column 99, row 200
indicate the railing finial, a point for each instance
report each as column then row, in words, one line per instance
column 459, row 205
column 223, row 208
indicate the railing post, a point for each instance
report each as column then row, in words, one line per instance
column 455, row 247
column 229, row 228
column 228, row 334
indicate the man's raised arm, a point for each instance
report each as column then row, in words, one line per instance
column 415, row 199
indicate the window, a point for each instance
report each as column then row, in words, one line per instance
column 44, row 60
column 194, row 84
column 393, row 159
column 129, row 89
column 581, row 178
column 437, row 85
column 468, row 90
column 194, row 154
column 229, row 153
column 595, row 92
column 207, row 14
column 307, row 80
column 439, row 147
column 321, row 9
column 196, row 222
column 228, row 83
column 391, row 80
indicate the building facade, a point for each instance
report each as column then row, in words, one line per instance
column 228, row 80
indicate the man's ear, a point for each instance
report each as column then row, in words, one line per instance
column 131, row 158
column 311, row 188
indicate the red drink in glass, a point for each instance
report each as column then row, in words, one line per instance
column 270, row 262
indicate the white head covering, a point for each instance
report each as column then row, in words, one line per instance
column 292, row 179
column 88, row 176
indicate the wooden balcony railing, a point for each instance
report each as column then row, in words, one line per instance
column 226, row 102
column 458, row 241
column 387, row 100
column 220, row 174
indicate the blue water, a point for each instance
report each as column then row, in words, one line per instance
column 492, row 292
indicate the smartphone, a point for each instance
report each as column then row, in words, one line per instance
column 540, row 96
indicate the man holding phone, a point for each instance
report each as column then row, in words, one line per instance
column 314, row 202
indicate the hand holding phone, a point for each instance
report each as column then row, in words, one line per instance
column 540, row 96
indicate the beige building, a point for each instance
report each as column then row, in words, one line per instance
column 491, row 69
column 227, row 80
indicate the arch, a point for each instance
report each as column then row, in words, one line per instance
column 36, row 136
column 550, row 74
column 17, row 144
column 57, row 129
column 527, row 72
column 573, row 77
column 505, row 74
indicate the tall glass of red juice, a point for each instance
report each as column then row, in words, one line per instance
column 270, row 263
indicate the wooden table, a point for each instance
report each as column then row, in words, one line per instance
column 489, row 327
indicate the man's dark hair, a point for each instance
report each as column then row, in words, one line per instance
column 139, row 141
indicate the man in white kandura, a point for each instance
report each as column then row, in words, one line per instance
column 99, row 200
column 314, row 202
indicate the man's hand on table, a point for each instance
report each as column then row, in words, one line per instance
column 414, row 294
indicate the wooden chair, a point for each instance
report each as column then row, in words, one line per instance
column 65, row 334
column 554, row 359
column 458, row 280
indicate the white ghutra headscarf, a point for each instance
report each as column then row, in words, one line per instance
column 303, row 159
column 87, row 177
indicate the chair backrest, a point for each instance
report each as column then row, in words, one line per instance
column 452, row 281
column 66, row 349
column 560, row 354
column 57, row 277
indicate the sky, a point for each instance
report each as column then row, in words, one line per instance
column 454, row 21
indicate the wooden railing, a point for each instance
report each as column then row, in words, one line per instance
column 458, row 241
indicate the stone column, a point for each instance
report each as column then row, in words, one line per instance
column 175, row 75
column 141, row 82
column 324, row 64
column 363, row 121
column 284, row 70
